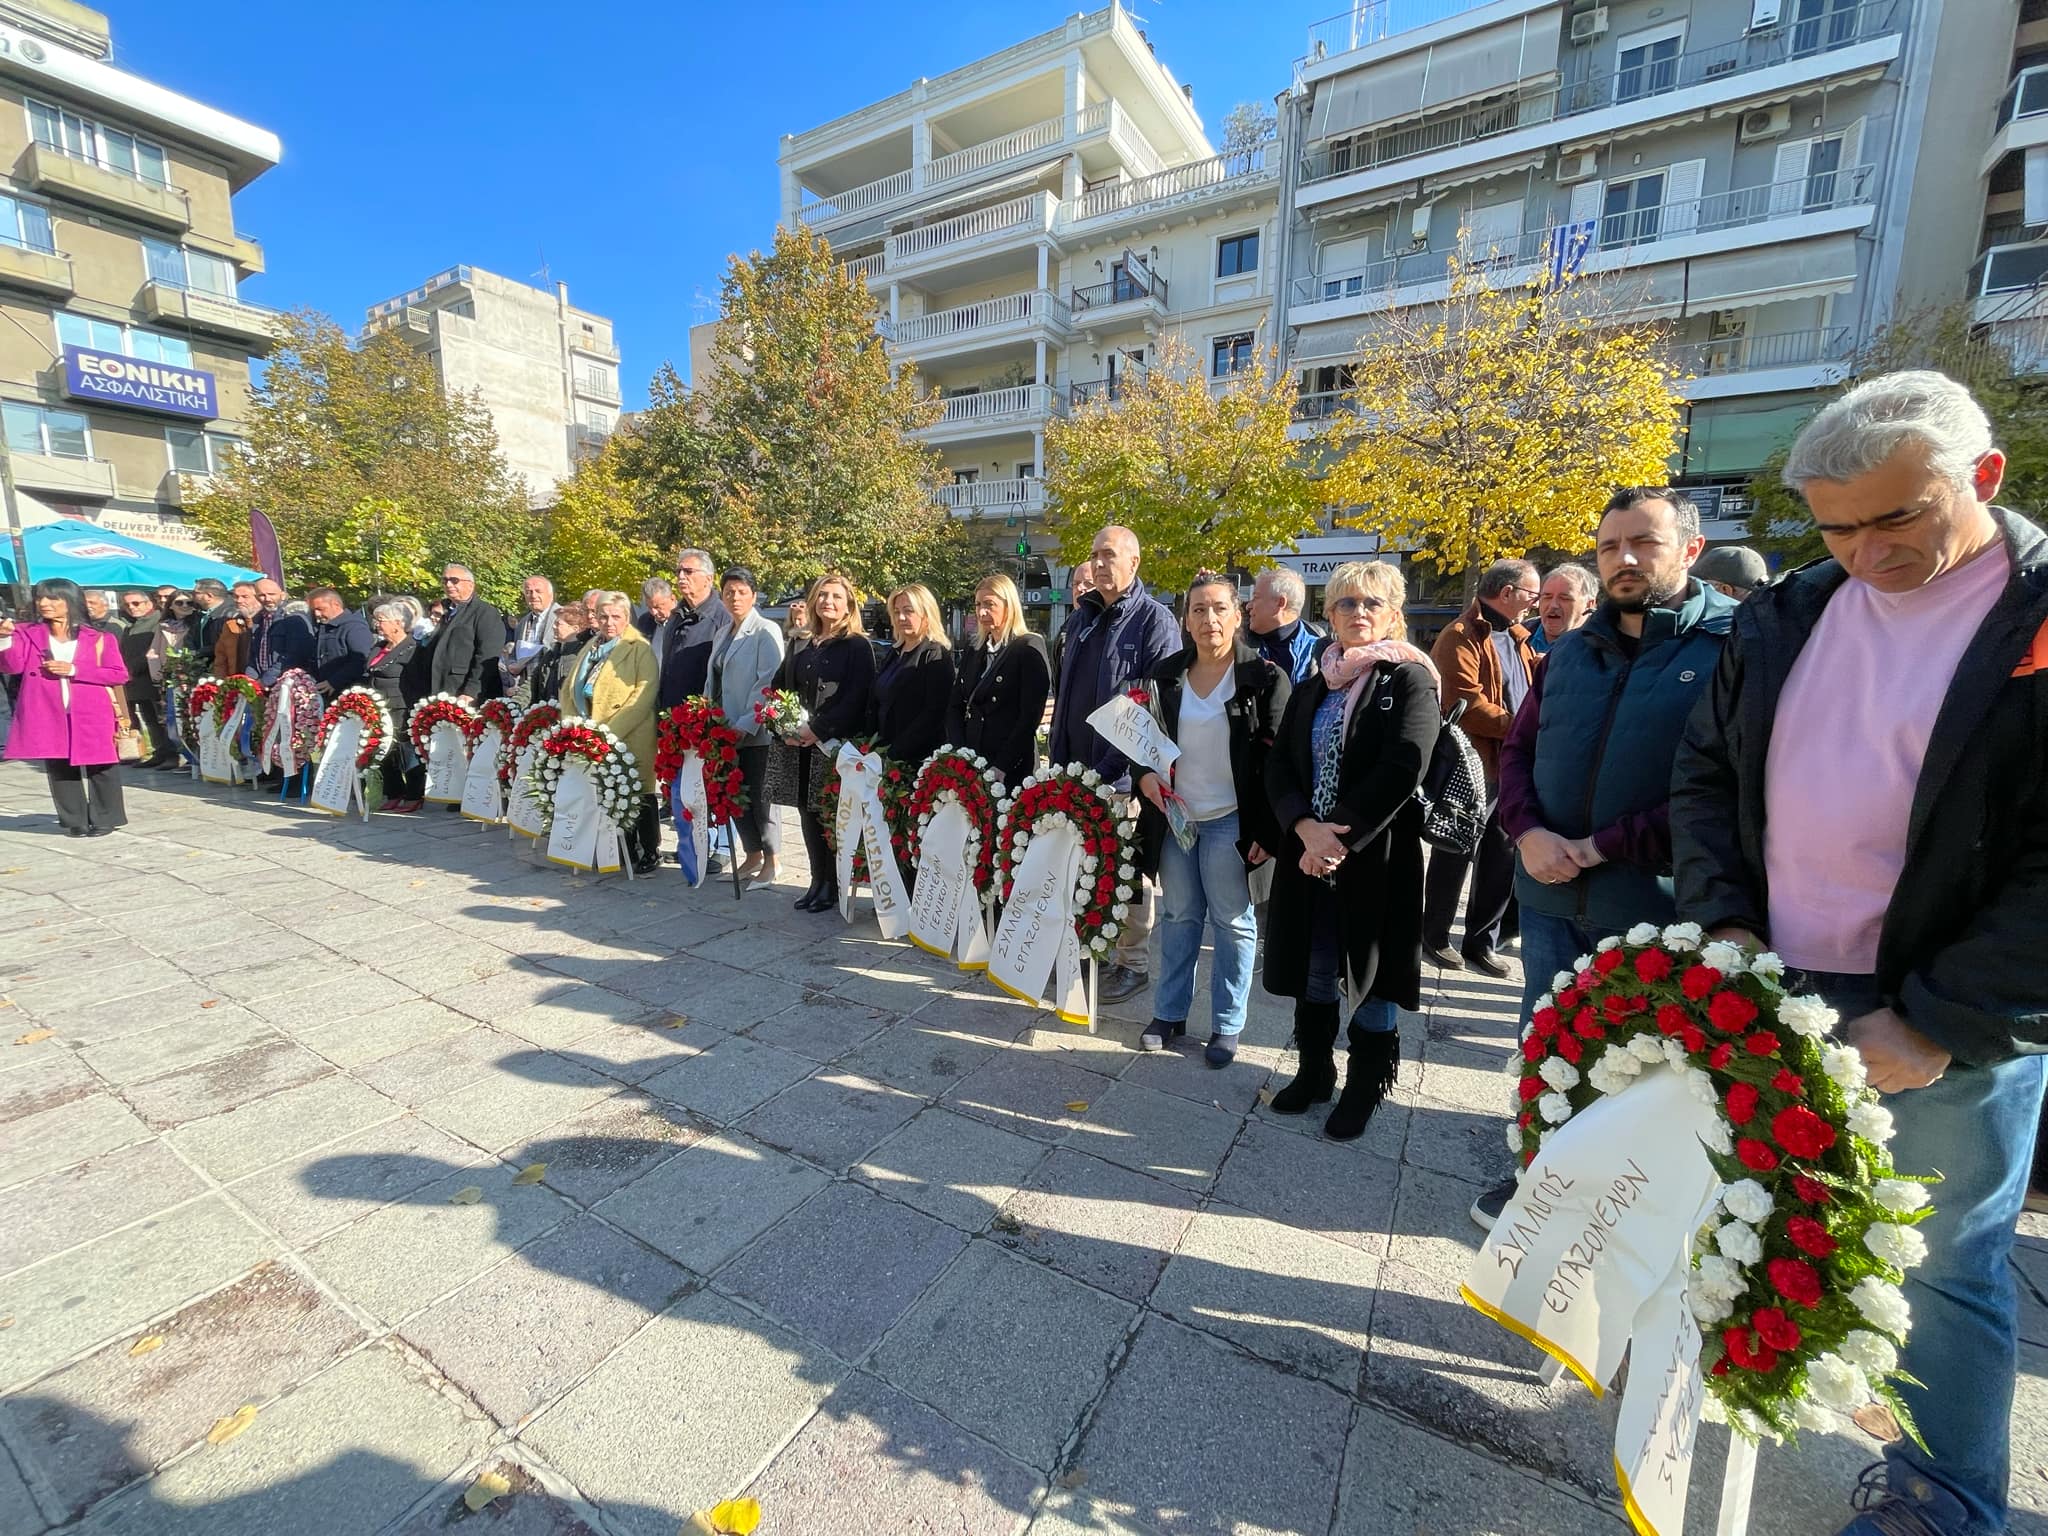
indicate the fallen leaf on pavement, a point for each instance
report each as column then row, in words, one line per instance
column 211, row 1002
column 413, row 885
column 735, row 1517
column 13, row 869
column 7, row 1322
column 675, row 1021
column 1876, row 1421
column 1073, row 1477
column 34, row 1035
column 469, row 1194
column 232, row 1425
column 1076, row 1106
column 488, row 1486
column 146, row 1346
column 532, row 1173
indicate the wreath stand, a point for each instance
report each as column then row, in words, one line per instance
column 298, row 785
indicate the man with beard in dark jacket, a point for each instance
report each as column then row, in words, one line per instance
column 1862, row 790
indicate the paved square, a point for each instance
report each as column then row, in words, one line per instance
column 856, row 1236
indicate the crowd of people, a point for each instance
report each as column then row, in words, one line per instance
column 1844, row 764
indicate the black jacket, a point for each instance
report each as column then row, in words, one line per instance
column 998, row 701
column 341, row 651
column 1258, row 700
column 136, row 640
column 468, row 637
column 836, row 681
column 1378, row 887
column 687, row 639
column 1961, row 951
column 399, row 679
column 912, row 692
column 547, row 671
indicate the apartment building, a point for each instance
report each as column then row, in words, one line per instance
column 1775, row 178
column 124, row 359
column 2008, row 284
column 1033, row 225
column 547, row 371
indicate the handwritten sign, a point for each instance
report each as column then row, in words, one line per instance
column 945, row 913
column 522, row 811
column 483, row 797
column 1035, row 942
column 859, row 820
column 337, row 784
column 1136, row 732
column 447, row 764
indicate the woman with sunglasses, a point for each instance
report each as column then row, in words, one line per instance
column 1346, row 914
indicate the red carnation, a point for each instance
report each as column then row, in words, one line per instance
column 1795, row 1280
column 1587, row 1026
column 1653, row 965
column 1693, row 1038
column 1756, row 1156
column 1544, row 1021
column 1775, row 1328
column 1761, row 1043
column 1720, row 1367
column 1569, row 1048
column 1801, row 1132
column 1809, row 1236
column 1788, row 1081
column 1720, row 1055
column 1568, row 999
column 1532, row 1088
column 1730, row 1011
column 1607, row 962
column 1524, row 1118
column 1742, row 1100
column 1093, row 919
column 1535, row 1048
column 1812, row 1191
column 1140, row 696
column 1757, row 1356
column 1671, row 1018
column 1587, row 980
column 1615, row 1006
column 1698, row 981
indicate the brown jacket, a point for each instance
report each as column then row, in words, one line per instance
column 231, row 650
column 1470, row 668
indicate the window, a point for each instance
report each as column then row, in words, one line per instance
column 194, row 452
column 40, row 429
column 126, row 340
column 1633, row 210
column 1647, row 63
column 26, row 225
column 1237, row 254
column 1230, row 354
column 1823, row 167
column 597, row 381
column 597, row 419
column 83, row 139
column 1819, row 25
column 176, row 267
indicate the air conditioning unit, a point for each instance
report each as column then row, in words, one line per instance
column 1582, row 166
column 1588, row 25
column 1762, row 123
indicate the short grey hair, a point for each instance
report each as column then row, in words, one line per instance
column 1502, row 574
column 1288, row 583
column 385, row 611
column 702, row 556
column 611, row 600
column 654, row 587
column 1585, row 585
column 544, row 581
column 456, row 565
column 1857, row 433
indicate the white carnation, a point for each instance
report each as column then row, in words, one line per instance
column 1738, row 1240
column 1583, row 963
column 1515, row 1139
column 1719, row 1277
column 1712, row 1411
column 1604, row 1079
column 1900, row 1246
column 1125, row 872
column 1074, row 769
column 1844, row 1067
column 1124, row 893
column 1682, row 936
column 1541, row 1003
column 1807, row 1016
column 1717, row 1138
column 1807, row 1414
column 1871, row 1352
column 1883, row 1304
column 1642, row 933
column 1091, row 778
column 1120, row 911
column 1724, row 957
column 1555, row 1108
column 1871, row 1120
column 1708, row 1310
column 1702, row 1087
column 1674, row 1053
column 1089, row 863
column 1610, row 942
column 1768, row 964
column 1747, row 1200
column 1559, row 1073
column 1899, row 1194
column 1648, row 1049
column 1562, row 980
column 1835, row 1383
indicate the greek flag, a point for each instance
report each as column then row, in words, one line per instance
column 1568, row 246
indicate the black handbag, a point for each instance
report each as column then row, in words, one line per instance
column 1452, row 793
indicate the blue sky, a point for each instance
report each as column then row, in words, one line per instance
column 629, row 146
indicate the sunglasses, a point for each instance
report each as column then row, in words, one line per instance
column 1357, row 605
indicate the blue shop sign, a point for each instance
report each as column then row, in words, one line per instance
column 108, row 378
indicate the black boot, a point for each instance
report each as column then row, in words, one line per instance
column 1315, row 1078
column 803, row 902
column 1375, row 1054
column 827, row 898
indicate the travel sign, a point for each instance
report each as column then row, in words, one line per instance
column 108, row 378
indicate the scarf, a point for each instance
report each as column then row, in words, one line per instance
column 1345, row 669
column 586, row 673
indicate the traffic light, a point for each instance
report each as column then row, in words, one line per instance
column 1023, row 546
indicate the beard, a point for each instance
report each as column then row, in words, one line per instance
column 1644, row 592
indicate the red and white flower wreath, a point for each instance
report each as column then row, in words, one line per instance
column 366, row 705
column 538, row 720
column 952, row 773
column 306, row 712
column 613, row 772
column 442, row 709
column 198, row 703
column 497, row 713
column 699, row 725
column 1795, row 1281
column 1107, row 881
column 221, row 702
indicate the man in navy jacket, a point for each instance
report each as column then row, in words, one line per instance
column 341, row 642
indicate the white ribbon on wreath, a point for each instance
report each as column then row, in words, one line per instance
column 276, row 750
column 860, row 820
column 1036, row 941
column 337, row 782
column 483, row 796
column 945, row 912
column 522, row 810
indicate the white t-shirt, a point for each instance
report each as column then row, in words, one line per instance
column 1202, row 775
column 64, row 650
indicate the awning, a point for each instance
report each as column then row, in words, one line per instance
column 1805, row 270
column 1385, row 197
column 1794, row 92
column 93, row 557
column 1431, row 79
column 1637, row 130
column 1466, row 177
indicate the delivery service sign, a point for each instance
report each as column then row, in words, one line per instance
column 108, row 378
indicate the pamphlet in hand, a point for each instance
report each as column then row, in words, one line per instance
column 1127, row 723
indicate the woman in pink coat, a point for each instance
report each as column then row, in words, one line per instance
column 65, row 714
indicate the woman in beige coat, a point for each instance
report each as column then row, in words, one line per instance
column 611, row 681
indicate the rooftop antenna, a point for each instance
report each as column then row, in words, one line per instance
column 543, row 274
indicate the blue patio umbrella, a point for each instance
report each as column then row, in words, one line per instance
column 94, row 557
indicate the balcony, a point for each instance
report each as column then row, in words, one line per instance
column 589, row 388
column 2022, row 117
column 1021, row 219
column 1019, row 407
column 238, row 248
column 24, row 266
column 414, row 323
column 1374, row 21
column 219, row 314
column 1021, row 497
column 2007, row 281
column 49, row 169
column 1788, row 56
column 863, row 269
column 972, row 161
column 856, row 200
column 593, row 346
column 1132, row 294
column 1218, row 176
column 81, row 479
column 1108, row 391
column 1013, row 317
column 1735, row 365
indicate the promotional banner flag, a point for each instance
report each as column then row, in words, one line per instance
column 265, row 551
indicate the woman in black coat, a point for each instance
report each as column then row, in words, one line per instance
column 834, row 677
column 549, row 669
column 1003, row 680
column 397, row 673
column 1347, row 888
column 1221, row 703
column 915, row 684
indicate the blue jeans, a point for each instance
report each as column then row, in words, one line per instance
column 1373, row 1015
column 1206, row 883
column 1976, row 1128
column 1549, row 945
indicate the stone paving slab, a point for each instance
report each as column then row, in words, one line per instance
column 88, row 1199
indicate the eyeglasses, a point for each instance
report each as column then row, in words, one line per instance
column 453, row 581
column 1358, row 605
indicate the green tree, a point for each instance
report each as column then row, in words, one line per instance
column 1945, row 339
column 795, row 455
column 1247, row 124
column 1206, row 477
column 597, row 534
column 338, row 426
column 379, row 546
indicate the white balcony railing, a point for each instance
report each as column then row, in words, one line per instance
column 1009, row 497
column 979, row 157
column 841, row 205
column 1018, row 215
column 1018, row 402
column 1749, row 354
column 863, row 269
column 1012, row 309
column 1244, row 165
column 1374, row 21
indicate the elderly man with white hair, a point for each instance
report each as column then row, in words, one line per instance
column 1862, row 790
column 1279, row 632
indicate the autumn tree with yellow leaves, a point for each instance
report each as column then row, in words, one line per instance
column 1500, row 420
column 1203, row 471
